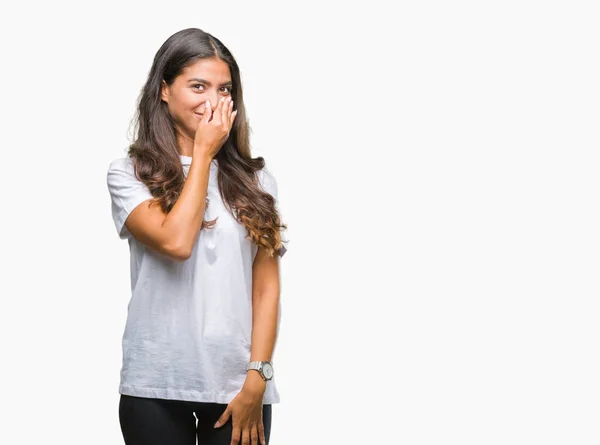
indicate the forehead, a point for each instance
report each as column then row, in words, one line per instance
column 214, row 71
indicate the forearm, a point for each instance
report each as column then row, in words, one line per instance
column 264, row 326
column 185, row 218
column 265, row 309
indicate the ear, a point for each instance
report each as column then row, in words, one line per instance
column 164, row 91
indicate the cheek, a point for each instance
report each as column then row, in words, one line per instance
column 184, row 102
column 182, row 108
column 190, row 100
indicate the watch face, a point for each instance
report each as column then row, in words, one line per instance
column 267, row 370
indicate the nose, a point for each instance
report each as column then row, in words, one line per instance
column 214, row 101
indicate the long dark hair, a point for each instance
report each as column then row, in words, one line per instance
column 156, row 155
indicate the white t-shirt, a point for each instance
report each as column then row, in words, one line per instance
column 189, row 324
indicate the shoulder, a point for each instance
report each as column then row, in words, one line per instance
column 124, row 163
column 121, row 169
column 121, row 174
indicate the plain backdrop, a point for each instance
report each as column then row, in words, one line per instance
column 437, row 165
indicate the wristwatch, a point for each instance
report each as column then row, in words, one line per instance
column 265, row 369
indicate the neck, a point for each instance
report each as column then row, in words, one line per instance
column 185, row 144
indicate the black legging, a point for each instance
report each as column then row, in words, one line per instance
column 149, row 421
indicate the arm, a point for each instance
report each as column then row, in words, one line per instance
column 265, row 310
column 174, row 234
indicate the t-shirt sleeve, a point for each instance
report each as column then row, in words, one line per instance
column 269, row 185
column 126, row 192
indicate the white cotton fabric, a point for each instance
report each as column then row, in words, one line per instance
column 189, row 324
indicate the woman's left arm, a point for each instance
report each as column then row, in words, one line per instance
column 246, row 407
column 265, row 308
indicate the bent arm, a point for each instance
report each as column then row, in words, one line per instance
column 175, row 233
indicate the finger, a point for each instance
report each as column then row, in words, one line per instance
column 235, row 435
column 225, row 110
column 254, row 435
column 207, row 112
column 261, row 433
column 229, row 113
column 246, row 436
column 224, row 417
column 217, row 113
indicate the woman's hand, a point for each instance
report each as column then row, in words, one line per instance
column 212, row 134
column 246, row 411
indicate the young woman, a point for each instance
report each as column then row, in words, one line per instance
column 202, row 222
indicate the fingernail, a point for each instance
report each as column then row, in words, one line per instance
column 217, row 425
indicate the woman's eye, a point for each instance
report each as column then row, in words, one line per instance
column 200, row 85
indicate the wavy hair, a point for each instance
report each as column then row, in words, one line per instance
column 155, row 153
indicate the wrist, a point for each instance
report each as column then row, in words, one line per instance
column 202, row 154
column 254, row 382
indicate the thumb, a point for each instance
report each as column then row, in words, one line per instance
column 224, row 417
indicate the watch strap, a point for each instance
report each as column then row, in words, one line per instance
column 254, row 365
column 258, row 366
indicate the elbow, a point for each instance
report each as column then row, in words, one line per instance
column 181, row 258
column 182, row 255
column 179, row 253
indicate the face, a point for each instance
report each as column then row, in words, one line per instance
column 206, row 79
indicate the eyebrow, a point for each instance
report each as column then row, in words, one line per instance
column 195, row 79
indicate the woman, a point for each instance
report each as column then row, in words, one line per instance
column 201, row 218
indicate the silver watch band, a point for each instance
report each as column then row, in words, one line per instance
column 259, row 366
column 254, row 365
